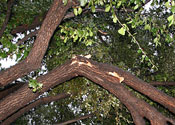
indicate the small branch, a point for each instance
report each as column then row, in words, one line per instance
column 75, row 120
column 4, row 25
column 31, row 34
column 37, row 22
column 162, row 83
column 40, row 101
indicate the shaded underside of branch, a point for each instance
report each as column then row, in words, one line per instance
column 38, row 102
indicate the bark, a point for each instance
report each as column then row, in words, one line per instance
column 155, row 83
column 9, row 90
column 33, row 61
column 40, row 101
column 4, row 25
column 76, row 119
column 109, row 77
column 20, row 98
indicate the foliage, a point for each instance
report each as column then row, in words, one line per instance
column 35, row 85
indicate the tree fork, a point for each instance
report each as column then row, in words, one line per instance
column 33, row 60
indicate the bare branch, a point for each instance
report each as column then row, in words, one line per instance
column 75, row 120
column 31, row 34
column 9, row 7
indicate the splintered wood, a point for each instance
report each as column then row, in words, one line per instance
column 116, row 75
column 81, row 63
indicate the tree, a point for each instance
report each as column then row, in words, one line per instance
column 55, row 24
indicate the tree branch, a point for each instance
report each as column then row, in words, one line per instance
column 31, row 34
column 107, row 76
column 38, row 102
column 155, row 83
column 8, row 91
column 33, row 60
column 4, row 25
column 76, row 119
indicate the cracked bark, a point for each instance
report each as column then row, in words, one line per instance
column 98, row 73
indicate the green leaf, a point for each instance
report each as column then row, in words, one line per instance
column 122, row 31
column 91, row 33
column 115, row 19
column 89, row 42
column 146, row 58
column 107, row 9
column 173, row 9
column 75, row 11
column 93, row 9
column 80, row 10
column 147, row 27
column 65, row 2
column 170, row 18
column 119, row 4
column 75, row 38
column 136, row 7
column 167, row 4
column 35, row 85
column 65, row 40
column 139, row 51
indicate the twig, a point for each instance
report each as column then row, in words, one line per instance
column 4, row 25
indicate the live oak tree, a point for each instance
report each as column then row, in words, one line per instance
column 51, row 28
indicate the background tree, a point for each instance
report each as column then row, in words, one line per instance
column 127, row 36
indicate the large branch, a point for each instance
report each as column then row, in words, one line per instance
column 10, row 89
column 40, row 101
column 109, row 77
column 24, row 95
column 4, row 25
column 33, row 60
